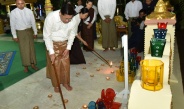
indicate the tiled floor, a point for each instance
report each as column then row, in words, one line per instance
column 34, row 90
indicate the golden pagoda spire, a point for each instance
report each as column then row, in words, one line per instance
column 161, row 12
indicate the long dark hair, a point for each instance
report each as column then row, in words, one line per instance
column 67, row 9
column 84, row 10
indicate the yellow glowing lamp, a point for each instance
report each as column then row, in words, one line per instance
column 152, row 74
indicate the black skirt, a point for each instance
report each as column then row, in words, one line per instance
column 76, row 55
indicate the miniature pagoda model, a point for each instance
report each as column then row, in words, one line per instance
column 141, row 98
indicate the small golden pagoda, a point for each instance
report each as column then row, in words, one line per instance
column 161, row 12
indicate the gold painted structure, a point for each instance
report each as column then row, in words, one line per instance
column 99, row 31
column 48, row 7
column 152, row 74
column 120, row 73
column 151, row 23
column 161, row 11
column 119, row 21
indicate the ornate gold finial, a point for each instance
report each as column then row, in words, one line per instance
column 161, row 12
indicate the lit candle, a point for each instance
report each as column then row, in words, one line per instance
column 91, row 75
column 84, row 106
column 112, row 71
column 117, row 11
column 36, row 107
column 98, row 69
column 50, row 95
column 66, row 100
column 111, row 63
column 107, row 78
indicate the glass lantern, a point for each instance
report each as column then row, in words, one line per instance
column 152, row 74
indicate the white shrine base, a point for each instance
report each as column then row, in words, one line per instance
column 145, row 99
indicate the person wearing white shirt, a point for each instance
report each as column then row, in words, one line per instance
column 24, row 32
column 132, row 9
column 94, row 23
column 106, row 9
column 79, row 6
column 58, row 33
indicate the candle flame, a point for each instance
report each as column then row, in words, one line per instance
column 111, row 63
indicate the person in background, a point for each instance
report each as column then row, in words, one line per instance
column 94, row 23
column 148, row 6
column 132, row 9
column 59, row 32
column 24, row 32
column 76, row 55
column 79, row 6
column 137, row 38
column 87, row 27
column 106, row 9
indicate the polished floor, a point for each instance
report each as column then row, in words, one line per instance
column 34, row 90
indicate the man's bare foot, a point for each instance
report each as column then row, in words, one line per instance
column 112, row 49
column 68, row 87
column 25, row 69
column 34, row 67
column 106, row 49
column 56, row 89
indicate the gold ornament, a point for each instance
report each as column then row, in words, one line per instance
column 161, row 12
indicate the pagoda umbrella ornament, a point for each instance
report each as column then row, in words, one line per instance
column 124, row 93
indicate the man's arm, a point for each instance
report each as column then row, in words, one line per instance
column 33, row 23
column 100, row 9
column 126, row 12
column 13, row 24
column 113, row 9
column 47, row 34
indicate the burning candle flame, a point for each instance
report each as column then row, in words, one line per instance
column 84, row 106
column 111, row 63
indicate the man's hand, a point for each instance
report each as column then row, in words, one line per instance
column 107, row 20
column 89, row 26
column 35, row 36
column 85, row 43
column 65, row 53
column 16, row 39
column 52, row 57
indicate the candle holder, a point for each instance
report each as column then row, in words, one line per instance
column 157, row 47
column 50, row 95
column 65, row 100
column 98, row 69
column 84, row 106
column 36, row 107
column 152, row 74
column 107, row 78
